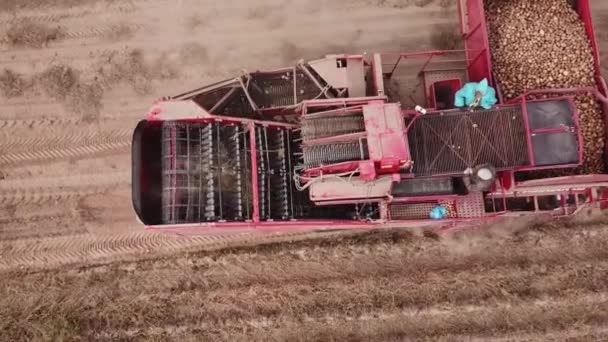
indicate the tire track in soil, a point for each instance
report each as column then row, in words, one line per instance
column 38, row 122
column 537, row 316
column 91, row 34
column 73, row 144
column 443, row 314
column 572, row 334
column 64, row 137
column 58, row 189
column 500, row 317
column 113, row 112
column 91, row 249
column 46, row 227
column 97, row 180
column 51, row 18
column 29, row 221
column 44, row 10
column 61, row 251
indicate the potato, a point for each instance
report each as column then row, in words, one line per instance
column 543, row 44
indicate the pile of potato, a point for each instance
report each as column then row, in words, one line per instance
column 543, row 44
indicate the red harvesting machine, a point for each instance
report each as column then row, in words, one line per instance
column 337, row 143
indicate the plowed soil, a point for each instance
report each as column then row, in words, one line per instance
column 75, row 76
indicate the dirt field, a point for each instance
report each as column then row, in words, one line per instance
column 75, row 77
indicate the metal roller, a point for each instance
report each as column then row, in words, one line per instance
column 262, row 173
column 280, row 176
column 235, row 150
column 207, row 169
column 334, row 153
column 328, row 126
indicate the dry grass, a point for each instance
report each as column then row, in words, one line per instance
column 194, row 54
column 120, row 32
column 483, row 323
column 63, row 83
column 12, row 84
column 131, row 66
column 399, row 4
column 423, row 3
column 58, row 81
column 127, row 67
column 373, row 286
column 446, row 37
column 447, row 3
column 16, row 5
column 84, row 99
column 32, row 34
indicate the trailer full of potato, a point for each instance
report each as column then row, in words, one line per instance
column 543, row 44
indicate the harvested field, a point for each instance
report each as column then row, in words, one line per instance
column 536, row 283
column 75, row 76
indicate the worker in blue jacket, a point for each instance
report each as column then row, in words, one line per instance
column 476, row 94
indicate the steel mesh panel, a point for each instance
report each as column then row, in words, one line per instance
column 301, row 199
column 470, row 206
column 274, row 90
column 280, row 176
column 453, row 142
column 205, row 173
column 210, row 99
column 275, row 168
column 328, row 126
column 237, row 105
column 317, row 155
column 306, row 88
column 411, row 211
column 423, row 186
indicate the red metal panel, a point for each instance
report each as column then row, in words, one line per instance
column 385, row 133
column 477, row 43
column 528, row 133
column 367, row 170
column 584, row 11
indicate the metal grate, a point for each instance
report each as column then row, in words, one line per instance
column 236, row 105
column 423, row 187
column 209, row 100
column 306, row 88
column 452, row 142
column 315, row 127
column 317, row 155
column 277, row 200
column 411, row 211
column 282, row 89
column 470, row 206
column 205, row 173
column 273, row 89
